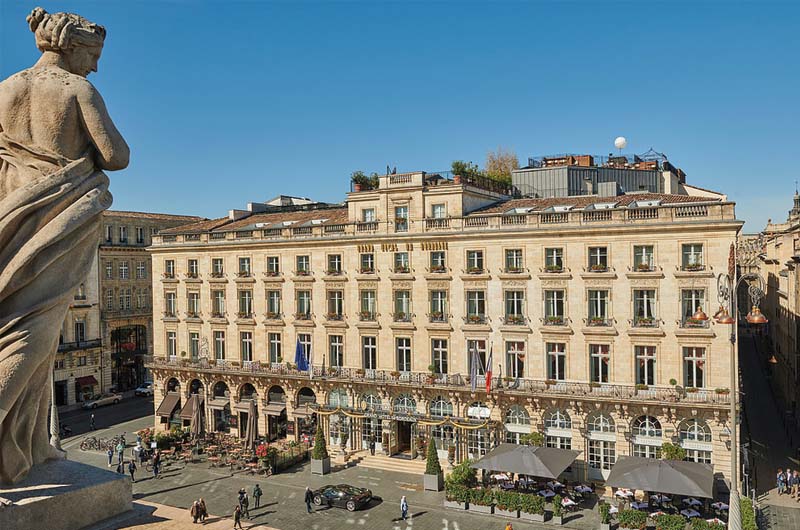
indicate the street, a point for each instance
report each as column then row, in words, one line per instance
column 129, row 408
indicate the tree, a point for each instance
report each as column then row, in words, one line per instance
column 500, row 164
column 670, row 451
column 320, row 451
column 535, row 439
column 432, row 466
column 465, row 169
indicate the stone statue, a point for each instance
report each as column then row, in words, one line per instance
column 55, row 138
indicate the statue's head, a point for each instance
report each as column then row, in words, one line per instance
column 77, row 40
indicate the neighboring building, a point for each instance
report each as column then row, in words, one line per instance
column 584, row 305
column 779, row 263
column 125, row 279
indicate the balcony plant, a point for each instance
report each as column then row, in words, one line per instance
column 362, row 182
column 594, row 384
column 438, row 268
column 332, row 370
column 334, row 316
column 437, row 316
column 360, row 372
column 598, row 267
column 694, row 323
column 401, row 317
column 474, row 270
column 481, row 500
column 394, row 374
column 475, row 319
column 217, row 274
column 320, row 460
column 553, row 268
column 302, row 272
column 272, row 315
column 558, row 510
column 644, row 267
column 366, row 270
column 515, row 320
column 513, row 270
column 644, row 322
column 333, row 272
column 550, row 382
column 597, row 321
column 243, row 274
column 302, row 316
column 432, row 374
column 694, row 267
column 641, row 386
column 272, row 274
column 691, row 389
column 366, row 315
column 532, row 508
column 632, row 519
column 723, row 391
column 402, row 269
column 433, row 480
column 242, row 314
column 605, row 515
column 554, row 320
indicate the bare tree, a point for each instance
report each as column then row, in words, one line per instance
column 500, row 164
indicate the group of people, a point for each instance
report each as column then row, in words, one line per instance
column 789, row 483
column 198, row 511
column 242, row 509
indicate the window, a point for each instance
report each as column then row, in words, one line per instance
column 439, row 355
column 194, row 344
column 438, row 306
column 517, row 424
column 244, row 267
column 402, row 306
column 438, row 261
column 558, row 420
column 554, row 307
column 691, row 301
column 305, row 344
column 598, row 259
column 110, row 299
column 478, row 347
column 303, row 304
column 405, row 404
column 246, row 346
column 335, row 305
column 80, row 331
column 515, row 303
column 644, row 307
column 338, row 398
column 692, row 257
column 273, row 266
column 474, row 261
column 370, row 401
column 123, row 234
column 515, row 358
column 599, row 359
column 694, row 361
column 139, row 235
column 647, row 426
column 368, row 305
column 598, row 307
column 403, row 346
column 192, row 268
column 557, row 430
column 368, row 215
column 643, row 258
column 81, row 360
column 218, row 303
column 556, row 361
column 440, row 407
column 645, row 365
column 172, row 344
column 109, row 234
column 336, row 350
column 439, row 211
column 217, row 267
column 554, row 259
column 334, row 264
column 219, row 345
column 401, row 262
column 369, row 349
column 303, row 264
column 171, row 304
column 169, row 268
column 695, row 438
column 476, row 307
column 367, row 263
column 141, row 299
column 602, row 452
column 245, row 304
column 514, row 260
column 193, row 304
column 273, row 304
column 274, row 344
column 109, row 269
column 123, row 270
column 59, row 364
column 401, row 219
column 141, row 270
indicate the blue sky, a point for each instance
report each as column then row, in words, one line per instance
column 228, row 102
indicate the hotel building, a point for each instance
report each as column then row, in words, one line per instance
column 585, row 302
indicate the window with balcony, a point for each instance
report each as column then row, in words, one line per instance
column 554, row 307
column 273, row 265
column 369, row 351
column 599, row 361
column 80, row 331
column 403, row 347
column 439, row 211
column 692, row 257
column 123, row 270
column 368, row 305
column 334, row 264
column 217, row 267
column 172, row 344
column 217, row 303
column 475, row 262
column 402, row 264
column 169, row 268
column 244, row 268
column 274, row 344
column 245, row 304
column 476, row 353
column 691, row 301
column 598, row 308
column 219, row 345
column 554, row 259
column 123, row 235
column 139, row 235
column 515, row 308
column 335, row 305
column 401, row 219
column 171, row 304
column 643, row 258
column 476, row 307
column 598, row 259
column 694, row 364
column 246, row 346
column 141, row 270
column 336, row 350
column 438, row 261
column 194, row 345
column 192, row 268
column 439, row 355
column 305, row 344
column 438, row 306
column 303, row 305
column 514, row 261
column 368, row 215
column 402, row 306
column 556, row 361
column 515, row 358
column 303, row 264
column 193, row 304
column 645, row 365
column 367, row 261
column 273, row 304
column 644, row 308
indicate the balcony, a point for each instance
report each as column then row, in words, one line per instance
column 244, row 274
column 597, row 322
column 645, row 322
column 170, row 315
column 244, row 315
column 273, row 315
column 79, row 345
column 437, row 224
column 272, row 274
column 367, row 226
column 366, row 270
column 192, row 275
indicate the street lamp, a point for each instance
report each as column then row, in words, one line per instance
column 727, row 286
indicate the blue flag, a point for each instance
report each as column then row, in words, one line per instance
column 300, row 357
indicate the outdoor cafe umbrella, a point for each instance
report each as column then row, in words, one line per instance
column 694, row 479
column 196, row 423
column 545, row 462
column 250, row 433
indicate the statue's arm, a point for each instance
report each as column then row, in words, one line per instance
column 112, row 150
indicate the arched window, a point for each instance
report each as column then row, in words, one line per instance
column 405, row 404
column 338, row 398
column 647, row 426
column 517, row 415
column 601, row 423
column 248, row 391
column 478, row 411
column 173, row 385
column 558, row 419
column 695, row 430
column 440, row 407
column 370, row 401
column 219, row 389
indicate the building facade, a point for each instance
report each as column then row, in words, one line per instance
column 583, row 309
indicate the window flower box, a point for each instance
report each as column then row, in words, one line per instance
column 218, row 274
column 515, row 320
column 272, row 274
column 598, row 267
column 366, row 316
column 437, row 316
column 598, row 321
column 394, row 374
column 694, row 267
column 554, row 321
column 475, row 270
column 513, row 270
column 244, row 315
column 438, row 268
column 554, row 268
column 302, row 273
column 272, row 315
column 401, row 317
column 302, row 316
column 243, row 274
column 402, row 270
column 476, row 319
column 644, row 322
column 334, row 316
column 366, row 270
column 723, row 391
column 333, row 272
column 694, row 323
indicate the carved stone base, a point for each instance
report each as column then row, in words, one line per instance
column 62, row 494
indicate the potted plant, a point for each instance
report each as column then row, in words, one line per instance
column 645, row 322
column 673, row 382
column 695, row 323
column 673, row 522
column 643, row 267
column 554, row 320
column 723, row 391
column 365, row 315
column 481, row 500
column 507, row 503
column 451, row 454
column 558, row 510
column 432, row 374
column 475, row 319
column 433, row 480
column 605, row 516
column 598, row 267
column 271, row 315
column 632, row 520
column 474, row 270
column 694, row 267
column 456, row 496
column 597, row 321
column 553, row 268
column 394, row 374
column 437, row 316
column 362, row 182
column 532, row 508
column 438, row 268
column 320, row 460
column 360, row 372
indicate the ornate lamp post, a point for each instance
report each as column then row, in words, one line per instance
column 727, row 286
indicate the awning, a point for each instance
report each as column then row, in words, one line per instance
column 243, row 405
column 218, row 403
column 186, row 411
column 275, row 409
column 545, row 462
column 87, row 380
column 168, row 406
column 663, row 476
column 302, row 412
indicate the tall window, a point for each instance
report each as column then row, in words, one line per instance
column 244, row 267
column 479, row 347
column 368, row 304
column 246, row 345
column 554, row 259
column 557, row 426
column 336, row 350
column 369, row 348
column 402, row 306
column 644, row 307
column 217, row 267
column 643, row 258
column 692, row 256
column 172, row 343
column 439, row 355
column 109, row 233
column 691, row 301
column 598, row 307
column 139, row 235
column 303, row 264
column 556, row 361
column 645, row 365
column 334, row 264
column 125, row 298
column 401, row 219
column 194, row 344
column 192, row 268
column 274, row 343
column 303, row 304
column 305, row 344
column 602, row 453
column 171, row 304
column 403, row 346
column 514, row 260
column 218, row 303
column 169, row 268
column 599, row 359
column 123, row 270
column 109, row 269
column 517, row 424
column 439, row 211
column 110, row 299
column 474, row 261
column 273, row 303
column 80, row 331
column 598, row 259
column 245, row 304
column 438, row 306
column 401, row 262
column 368, row 215
column 335, row 304
column 141, row 270
column 515, row 358
column 515, row 304
column 193, row 303
column 476, row 306
column 695, row 437
column 123, row 234
column 647, row 437
column 438, row 261
column 694, row 362
column 141, row 299
column 554, row 306
column 273, row 265
column 367, row 263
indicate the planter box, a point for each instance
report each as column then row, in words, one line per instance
column 506, row 513
column 557, row 520
column 433, row 482
column 320, row 467
column 481, row 509
column 531, row 517
column 456, row 505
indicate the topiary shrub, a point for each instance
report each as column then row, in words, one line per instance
column 320, row 451
column 432, row 466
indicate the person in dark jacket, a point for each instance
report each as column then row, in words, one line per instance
column 237, row 518
column 309, row 498
column 132, row 470
column 257, row 495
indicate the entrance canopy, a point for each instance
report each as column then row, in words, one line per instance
column 87, row 380
column 171, row 401
column 663, row 476
column 545, row 462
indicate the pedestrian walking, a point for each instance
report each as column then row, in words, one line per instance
column 156, row 463
column 796, row 485
column 509, row 527
column 237, row 517
column 132, row 469
column 110, row 456
column 781, row 481
column 203, row 510
column 120, row 452
column 242, row 494
column 309, row 498
column 246, row 506
column 91, row 422
column 403, row 507
column 257, row 495
column 195, row 511
column 372, row 445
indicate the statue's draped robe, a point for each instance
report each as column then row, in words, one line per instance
column 50, row 211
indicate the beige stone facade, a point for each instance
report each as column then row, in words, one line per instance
column 583, row 303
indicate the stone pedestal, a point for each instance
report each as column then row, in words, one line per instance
column 62, row 494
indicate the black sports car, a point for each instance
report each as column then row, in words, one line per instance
column 343, row 496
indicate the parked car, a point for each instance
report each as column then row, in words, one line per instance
column 145, row 389
column 343, row 496
column 99, row 401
